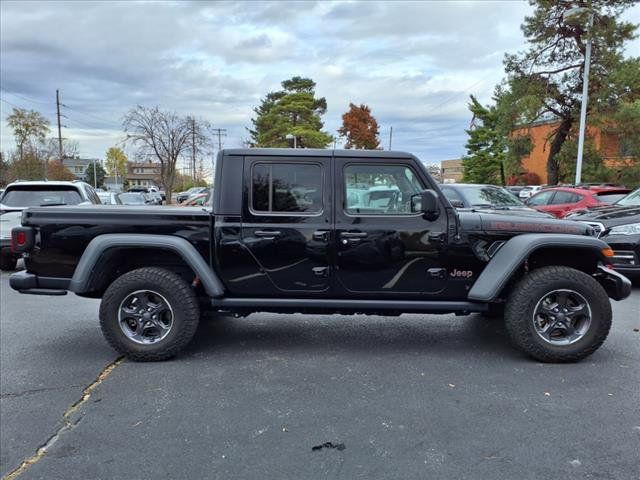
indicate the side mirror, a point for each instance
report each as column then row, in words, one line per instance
column 427, row 203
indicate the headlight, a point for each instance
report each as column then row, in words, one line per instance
column 631, row 229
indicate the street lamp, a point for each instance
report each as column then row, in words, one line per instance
column 295, row 140
column 575, row 16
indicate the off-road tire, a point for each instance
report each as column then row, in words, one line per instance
column 178, row 294
column 532, row 288
column 8, row 262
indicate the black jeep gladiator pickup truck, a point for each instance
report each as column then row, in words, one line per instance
column 321, row 231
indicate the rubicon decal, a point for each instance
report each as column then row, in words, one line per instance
column 535, row 227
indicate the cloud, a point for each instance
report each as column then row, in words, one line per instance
column 413, row 63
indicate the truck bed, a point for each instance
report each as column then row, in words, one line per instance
column 66, row 231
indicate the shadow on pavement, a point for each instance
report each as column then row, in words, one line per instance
column 381, row 335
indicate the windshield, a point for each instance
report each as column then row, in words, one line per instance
column 132, row 198
column 489, row 196
column 32, row 197
column 631, row 200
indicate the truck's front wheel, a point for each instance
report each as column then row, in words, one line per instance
column 558, row 314
column 149, row 314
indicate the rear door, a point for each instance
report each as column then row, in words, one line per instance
column 286, row 222
column 563, row 202
column 540, row 201
column 382, row 247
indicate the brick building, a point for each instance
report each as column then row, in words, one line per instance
column 614, row 151
column 451, row 170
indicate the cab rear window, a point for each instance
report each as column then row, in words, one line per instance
column 36, row 197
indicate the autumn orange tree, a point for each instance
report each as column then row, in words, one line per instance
column 360, row 128
column 57, row 171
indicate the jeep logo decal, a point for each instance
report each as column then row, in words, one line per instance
column 455, row 273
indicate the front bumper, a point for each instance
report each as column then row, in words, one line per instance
column 615, row 284
column 25, row 282
column 626, row 250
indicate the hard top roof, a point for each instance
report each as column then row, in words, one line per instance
column 315, row 152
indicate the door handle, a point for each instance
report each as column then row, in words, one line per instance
column 321, row 271
column 270, row 234
column 353, row 234
column 321, row 235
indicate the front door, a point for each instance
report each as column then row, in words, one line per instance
column 286, row 222
column 382, row 247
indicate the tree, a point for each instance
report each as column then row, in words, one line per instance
column 29, row 128
column 96, row 179
column 116, row 162
column 545, row 81
column 294, row 110
column 486, row 146
column 360, row 128
column 57, row 171
column 163, row 135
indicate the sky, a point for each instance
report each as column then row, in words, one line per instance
column 413, row 63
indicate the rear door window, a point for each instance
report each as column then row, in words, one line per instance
column 286, row 188
column 565, row 197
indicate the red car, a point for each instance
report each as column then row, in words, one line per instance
column 560, row 201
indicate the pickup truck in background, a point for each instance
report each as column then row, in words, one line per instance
column 322, row 231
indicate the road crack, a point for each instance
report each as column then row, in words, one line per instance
column 67, row 423
column 35, row 390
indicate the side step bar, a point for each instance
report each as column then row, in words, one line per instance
column 314, row 304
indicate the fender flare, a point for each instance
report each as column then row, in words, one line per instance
column 83, row 273
column 516, row 250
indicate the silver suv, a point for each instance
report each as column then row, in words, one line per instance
column 20, row 195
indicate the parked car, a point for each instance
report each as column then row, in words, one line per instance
column 488, row 198
column 20, row 195
column 109, row 198
column 264, row 246
column 135, row 198
column 560, row 201
column 619, row 226
column 529, row 191
column 182, row 196
column 198, row 200
column 515, row 189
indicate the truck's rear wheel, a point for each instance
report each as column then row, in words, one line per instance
column 149, row 314
column 558, row 314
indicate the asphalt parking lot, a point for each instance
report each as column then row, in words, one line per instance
column 302, row 397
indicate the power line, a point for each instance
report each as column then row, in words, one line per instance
column 103, row 120
column 28, row 99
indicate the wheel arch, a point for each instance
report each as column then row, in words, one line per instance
column 534, row 251
column 99, row 263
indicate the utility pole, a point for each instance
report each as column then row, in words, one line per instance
column 390, row 136
column 221, row 132
column 193, row 148
column 59, row 133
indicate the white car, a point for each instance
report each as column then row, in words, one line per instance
column 529, row 191
column 20, row 195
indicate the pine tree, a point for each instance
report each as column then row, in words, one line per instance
column 486, row 146
column 292, row 111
